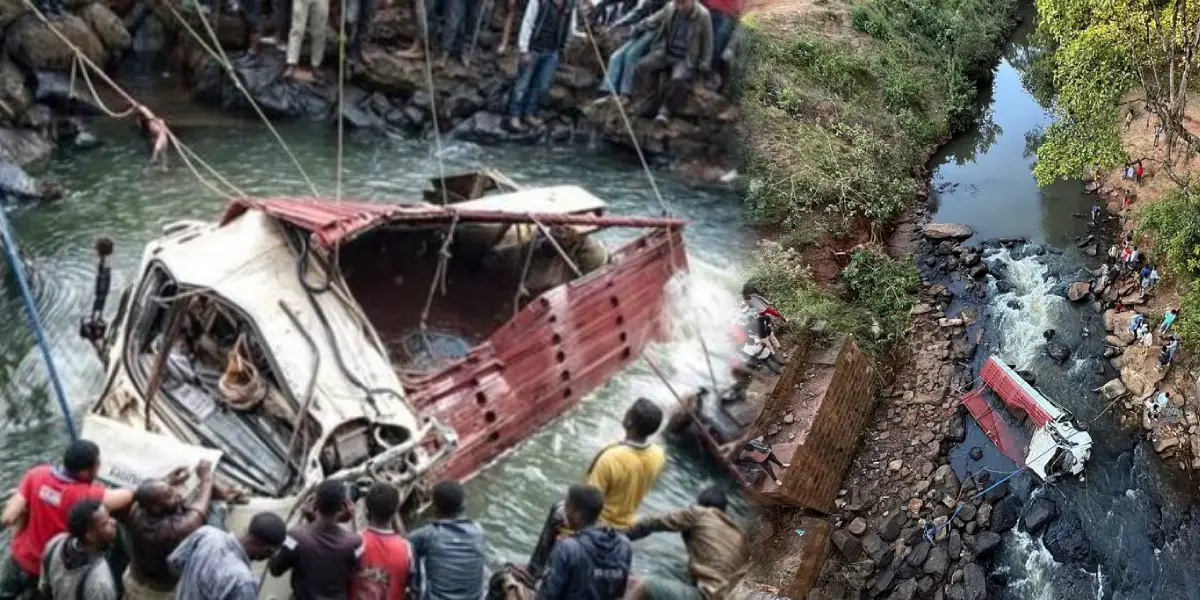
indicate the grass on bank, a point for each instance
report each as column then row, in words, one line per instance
column 1173, row 223
column 872, row 299
column 839, row 119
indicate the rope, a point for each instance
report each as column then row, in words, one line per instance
column 439, row 272
column 87, row 79
column 433, row 110
column 637, row 146
column 662, row 202
column 521, row 290
column 35, row 320
column 561, row 253
column 218, row 54
column 79, row 55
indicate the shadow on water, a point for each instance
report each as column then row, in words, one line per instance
column 110, row 193
column 1140, row 516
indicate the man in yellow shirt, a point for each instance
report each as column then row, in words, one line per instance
column 625, row 471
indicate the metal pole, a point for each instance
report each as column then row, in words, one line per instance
column 35, row 321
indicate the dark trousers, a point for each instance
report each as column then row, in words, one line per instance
column 764, row 466
column 723, row 26
column 252, row 15
column 534, row 78
column 358, row 19
column 676, row 90
column 281, row 18
column 14, row 581
column 447, row 20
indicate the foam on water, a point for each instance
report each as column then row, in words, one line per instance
column 1019, row 330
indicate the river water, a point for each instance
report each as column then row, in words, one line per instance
column 110, row 194
column 1141, row 519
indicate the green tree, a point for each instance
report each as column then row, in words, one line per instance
column 1106, row 49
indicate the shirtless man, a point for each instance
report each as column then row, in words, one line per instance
column 156, row 129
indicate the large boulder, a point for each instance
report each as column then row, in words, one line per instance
column 34, row 44
column 11, row 10
column 15, row 96
column 1112, row 390
column 1078, row 291
column 1067, row 542
column 948, row 231
column 1058, row 351
column 24, row 146
column 107, row 26
column 262, row 76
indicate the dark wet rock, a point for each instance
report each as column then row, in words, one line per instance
column 974, row 582
column 1075, row 583
column 1028, row 376
column 1047, row 334
column 966, row 512
column 976, row 453
column 262, row 76
column 15, row 95
column 884, row 582
column 1013, row 303
column 937, row 562
column 954, row 545
column 1067, row 542
column 16, row 183
column 39, row 117
column 24, row 146
column 1005, row 514
column 1039, row 515
column 881, row 553
column 1058, row 351
column 957, row 431
column 848, row 545
column 906, row 590
column 106, row 25
column 73, row 133
column 979, row 271
column 890, row 526
column 53, row 89
column 919, row 553
column 33, row 44
column 926, row 586
column 1004, row 287
column 489, row 128
column 984, row 543
column 995, row 494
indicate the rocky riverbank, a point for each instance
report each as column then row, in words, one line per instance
column 39, row 108
column 388, row 93
column 1176, row 434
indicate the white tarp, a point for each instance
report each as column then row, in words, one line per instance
column 129, row 455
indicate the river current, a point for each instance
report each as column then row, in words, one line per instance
column 1141, row 519
column 110, row 193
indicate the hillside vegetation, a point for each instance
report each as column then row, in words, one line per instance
column 843, row 105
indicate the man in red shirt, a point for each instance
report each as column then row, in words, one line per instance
column 387, row 557
column 39, row 510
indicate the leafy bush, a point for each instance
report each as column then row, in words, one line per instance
column 879, row 293
column 836, row 129
column 1174, row 223
column 885, row 287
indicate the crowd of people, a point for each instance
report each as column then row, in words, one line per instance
column 669, row 44
column 67, row 543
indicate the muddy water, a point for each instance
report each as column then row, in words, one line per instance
column 110, row 194
column 1143, row 525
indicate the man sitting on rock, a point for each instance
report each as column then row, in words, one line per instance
column 618, row 79
column 545, row 30
column 683, row 46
